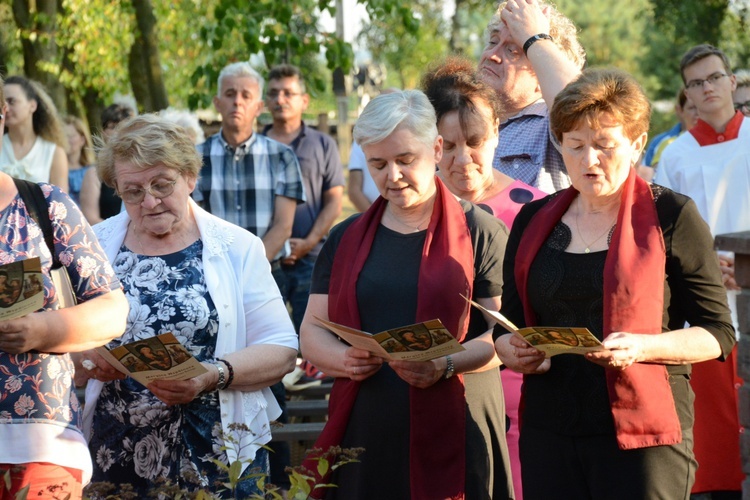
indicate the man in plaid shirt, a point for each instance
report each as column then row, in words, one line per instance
column 247, row 178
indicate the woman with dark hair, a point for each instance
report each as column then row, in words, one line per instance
column 633, row 262
column 468, row 116
column 34, row 143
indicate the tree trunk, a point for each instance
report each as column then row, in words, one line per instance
column 147, row 45
column 139, row 81
column 93, row 106
column 3, row 59
column 37, row 21
column 456, row 29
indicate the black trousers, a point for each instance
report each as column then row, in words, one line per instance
column 593, row 467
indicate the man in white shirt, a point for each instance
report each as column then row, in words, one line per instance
column 711, row 164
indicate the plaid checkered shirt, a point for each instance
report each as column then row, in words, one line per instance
column 240, row 184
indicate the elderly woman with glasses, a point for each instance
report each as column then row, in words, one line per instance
column 208, row 282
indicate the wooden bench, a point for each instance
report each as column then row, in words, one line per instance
column 298, row 432
column 307, row 407
column 307, row 410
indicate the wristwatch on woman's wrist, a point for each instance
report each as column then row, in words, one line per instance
column 449, row 368
column 221, row 383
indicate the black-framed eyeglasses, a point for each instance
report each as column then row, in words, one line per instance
column 275, row 94
column 743, row 107
column 712, row 79
column 159, row 189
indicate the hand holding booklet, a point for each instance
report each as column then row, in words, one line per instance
column 154, row 358
column 549, row 339
column 418, row 342
column 21, row 288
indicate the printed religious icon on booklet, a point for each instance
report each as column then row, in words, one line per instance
column 160, row 357
column 549, row 339
column 21, row 288
column 418, row 342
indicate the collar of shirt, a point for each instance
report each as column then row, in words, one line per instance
column 241, row 149
column 536, row 108
column 293, row 144
column 707, row 136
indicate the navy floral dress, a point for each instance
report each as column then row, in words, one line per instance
column 136, row 438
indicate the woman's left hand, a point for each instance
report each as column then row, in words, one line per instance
column 621, row 350
column 421, row 374
column 179, row 392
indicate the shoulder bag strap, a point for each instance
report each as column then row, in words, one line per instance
column 36, row 204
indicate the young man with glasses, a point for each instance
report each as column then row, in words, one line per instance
column 248, row 179
column 710, row 164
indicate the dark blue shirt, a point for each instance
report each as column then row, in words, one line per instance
column 321, row 169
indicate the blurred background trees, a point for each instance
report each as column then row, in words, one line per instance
column 169, row 52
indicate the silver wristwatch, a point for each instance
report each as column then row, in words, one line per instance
column 450, row 369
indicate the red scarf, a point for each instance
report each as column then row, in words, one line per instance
column 438, row 414
column 634, row 272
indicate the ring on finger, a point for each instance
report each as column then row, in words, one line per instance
column 88, row 364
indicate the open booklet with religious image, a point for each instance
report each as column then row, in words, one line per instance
column 549, row 339
column 419, row 342
column 21, row 288
column 154, row 358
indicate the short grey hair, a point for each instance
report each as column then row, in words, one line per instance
column 408, row 108
column 241, row 69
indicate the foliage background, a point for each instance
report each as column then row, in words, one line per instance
column 86, row 54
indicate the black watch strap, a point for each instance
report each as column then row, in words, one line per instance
column 531, row 41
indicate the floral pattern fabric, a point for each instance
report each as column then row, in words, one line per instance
column 136, row 438
column 35, row 388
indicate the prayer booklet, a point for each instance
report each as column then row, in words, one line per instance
column 154, row 358
column 549, row 339
column 418, row 342
column 21, row 288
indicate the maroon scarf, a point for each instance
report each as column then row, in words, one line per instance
column 438, row 413
column 634, row 272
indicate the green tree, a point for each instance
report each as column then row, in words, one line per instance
column 37, row 23
column 468, row 26
column 736, row 35
column 145, row 61
column 277, row 31
column 96, row 36
column 405, row 46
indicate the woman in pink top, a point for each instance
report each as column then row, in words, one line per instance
column 467, row 112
